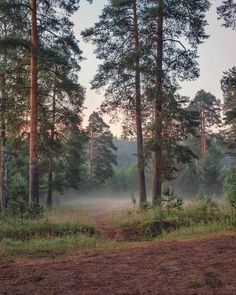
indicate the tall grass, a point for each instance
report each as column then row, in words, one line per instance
column 195, row 217
column 54, row 246
column 66, row 229
column 27, row 230
column 59, row 231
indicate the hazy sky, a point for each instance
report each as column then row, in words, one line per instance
column 216, row 55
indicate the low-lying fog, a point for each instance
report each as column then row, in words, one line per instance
column 102, row 201
column 97, row 201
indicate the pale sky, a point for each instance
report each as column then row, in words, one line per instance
column 216, row 55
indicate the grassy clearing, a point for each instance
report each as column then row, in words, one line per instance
column 69, row 215
column 52, row 247
column 26, row 230
column 61, row 230
column 199, row 230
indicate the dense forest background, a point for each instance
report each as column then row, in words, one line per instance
column 146, row 50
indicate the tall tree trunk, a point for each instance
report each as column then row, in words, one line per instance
column 157, row 161
column 140, row 151
column 50, row 179
column 203, row 134
column 91, row 142
column 3, row 167
column 33, row 161
column 50, row 158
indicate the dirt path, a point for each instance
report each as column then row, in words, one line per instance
column 205, row 266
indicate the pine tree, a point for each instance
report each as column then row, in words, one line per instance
column 178, row 124
column 12, row 86
column 33, row 147
column 138, row 105
column 163, row 58
column 101, row 150
column 61, row 98
column 168, row 61
column 228, row 85
column 117, row 36
column 227, row 12
column 57, row 53
column 209, row 108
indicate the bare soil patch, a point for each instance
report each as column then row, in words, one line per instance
column 199, row 266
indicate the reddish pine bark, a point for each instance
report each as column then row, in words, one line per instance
column 33, row 161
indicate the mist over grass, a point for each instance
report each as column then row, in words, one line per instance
column 100, row 201
column 81, row 219
column 108, row 200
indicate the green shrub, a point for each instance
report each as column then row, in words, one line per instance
column 170, row 201
column 145, row 207
column 20, row 208
column 230, row 187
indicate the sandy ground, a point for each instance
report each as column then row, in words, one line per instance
column 198, row 266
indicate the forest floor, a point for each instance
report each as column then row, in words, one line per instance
column 205, row 265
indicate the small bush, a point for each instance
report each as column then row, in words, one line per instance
column 19, row 207
column 230, row 187
column 145, row 207
column 170, row 201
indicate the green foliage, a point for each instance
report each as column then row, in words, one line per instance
column 201, row 194
column 170, row 201
column 102, row 157
column 168, row 220
column 21, row 208
column 60, row 96
column 53, row 246
column 18, row 187
column 230, row 187
column 208, row 104
column 227, row 12
column 228, row 86
column 126, row 152
column 210, row 167
column 123, row 179
column 202, row 176
column 75, row 157
column 144, row 207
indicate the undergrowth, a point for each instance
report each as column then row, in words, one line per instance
column 66, row 229
column 26, row 230
column 57, row 232
column 175, row 219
